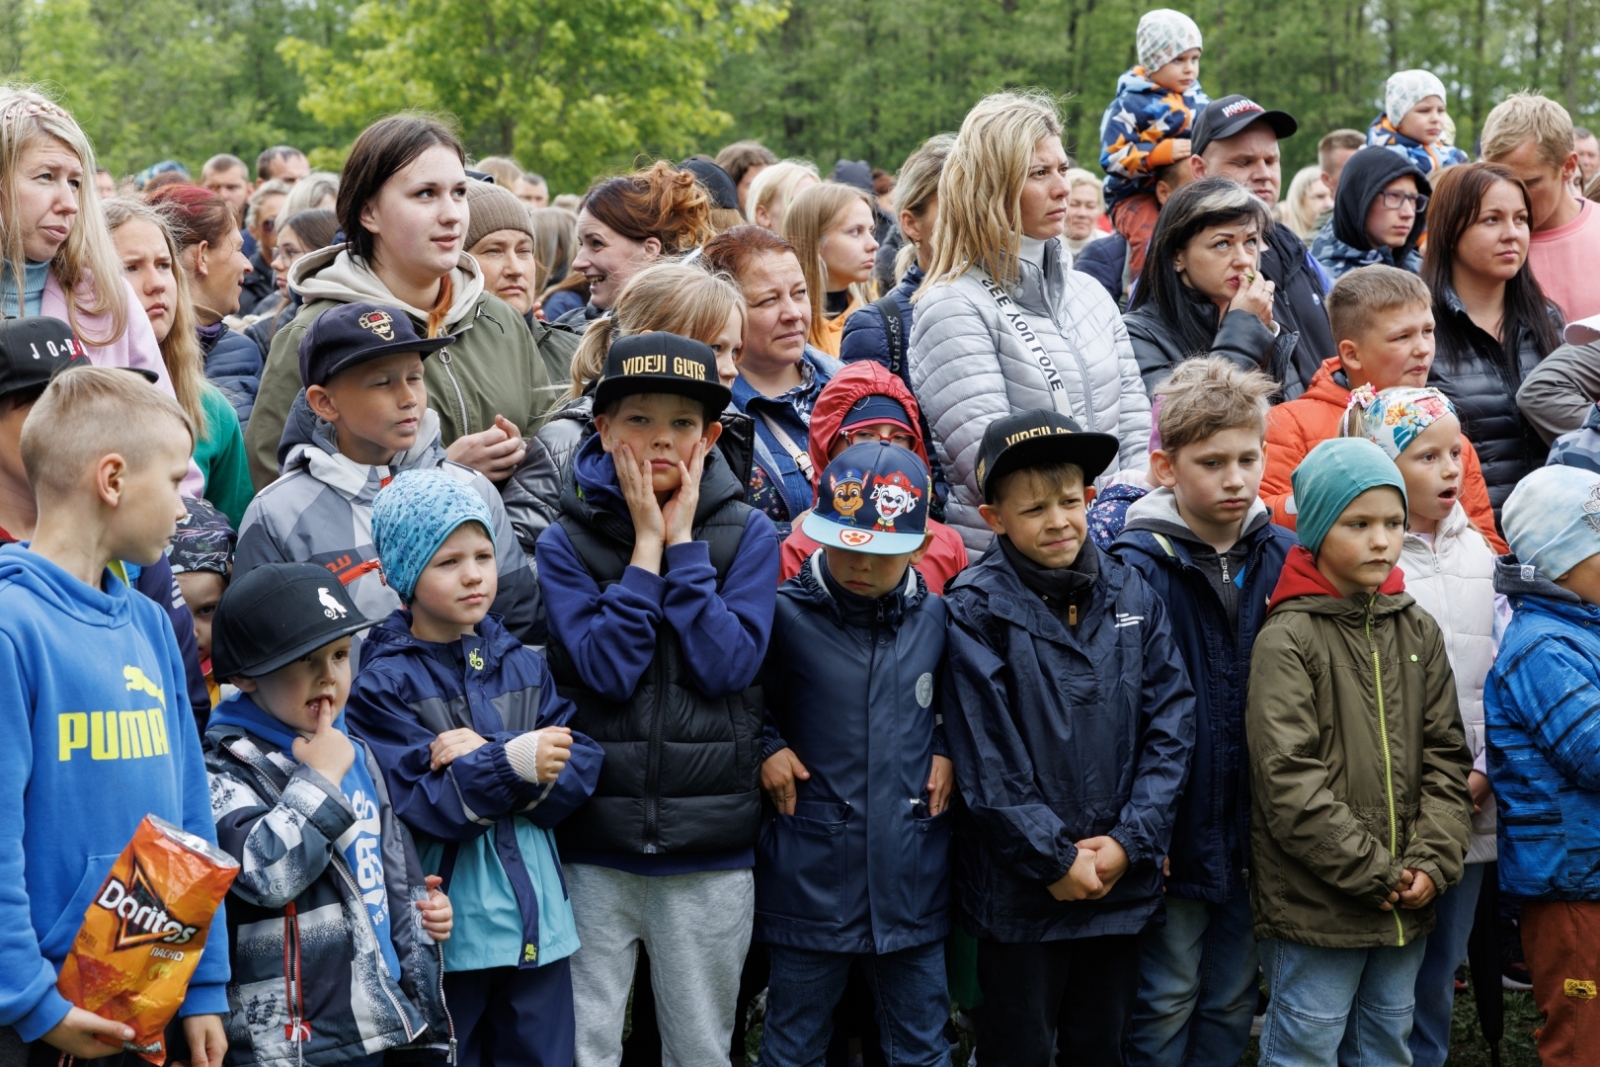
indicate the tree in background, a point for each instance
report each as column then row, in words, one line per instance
column 570, row 89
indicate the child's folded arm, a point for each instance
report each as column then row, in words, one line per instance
column 281, row 847
column 1556, row 701
column 576, row 782
column 724, row 632
column 1144, row 828
column 454, row 803
column 1438, row 844
column 1120, row 138
column 994, row 771
column 610, row 636
column 1290, row 782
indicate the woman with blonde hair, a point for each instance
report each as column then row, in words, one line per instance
column 1308, row 197
column 772, row 190
column 319, row 189
column 1003, row 324
column 831, row 228
column 1086, row 202
column 151, row 262
column 681, row 298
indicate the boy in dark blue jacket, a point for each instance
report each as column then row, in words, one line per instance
column 660, row 583
column 473, row 741
column 853, row 862
column 1070, row 720
column 1208, row 547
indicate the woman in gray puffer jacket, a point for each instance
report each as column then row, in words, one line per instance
column 1003, row 324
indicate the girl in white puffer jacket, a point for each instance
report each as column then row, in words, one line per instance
column 1449, row 570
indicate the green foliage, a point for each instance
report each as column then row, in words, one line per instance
column 569, row 89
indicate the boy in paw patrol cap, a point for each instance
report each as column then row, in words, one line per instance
column 1066, row 866
column 362, row 367
column 854, row 748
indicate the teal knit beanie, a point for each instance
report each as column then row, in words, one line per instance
column 1333, row 474
column 413, row 515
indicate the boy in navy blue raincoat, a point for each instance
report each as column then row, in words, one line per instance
column 853, row 860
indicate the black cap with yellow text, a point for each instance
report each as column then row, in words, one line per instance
column 661, row 362
column 1034, row 438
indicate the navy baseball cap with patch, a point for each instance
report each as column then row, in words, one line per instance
column 1223, row 118
column 873, row 499
column 661, row 362
column 352, row 334
column 277, row 612
column 34, row 350
column 1034, row 438
column 875, row 409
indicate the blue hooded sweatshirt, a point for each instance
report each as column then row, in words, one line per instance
column 99, row 734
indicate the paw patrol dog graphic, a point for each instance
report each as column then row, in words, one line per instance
column 894, row 496
column 848, row 497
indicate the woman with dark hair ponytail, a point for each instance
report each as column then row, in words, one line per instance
column 402, row 207
column 1492, row 322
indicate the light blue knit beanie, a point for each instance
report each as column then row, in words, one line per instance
column 1552, row 518
column 412, row 516
column 1333, row 474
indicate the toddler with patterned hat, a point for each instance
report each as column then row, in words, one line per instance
column 1415, row 123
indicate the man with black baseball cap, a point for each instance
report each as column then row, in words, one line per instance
column 1237, row 138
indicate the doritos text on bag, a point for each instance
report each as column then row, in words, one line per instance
column 143, row 933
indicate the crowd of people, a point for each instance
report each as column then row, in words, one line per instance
column 1072, row 618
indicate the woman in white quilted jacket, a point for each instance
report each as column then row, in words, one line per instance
column 1003, row 324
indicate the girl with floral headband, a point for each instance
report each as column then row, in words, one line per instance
column 1449, row 571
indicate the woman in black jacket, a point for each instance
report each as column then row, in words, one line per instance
column 1492, row 321
column 1202, row 291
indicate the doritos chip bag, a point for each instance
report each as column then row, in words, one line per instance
column 142, row 935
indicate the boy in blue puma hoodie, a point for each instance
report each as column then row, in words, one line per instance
column 330, row 900
column 473, row 741
column 92, row 702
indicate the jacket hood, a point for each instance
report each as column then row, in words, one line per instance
column 335, row 273
column 322, row 458
column 65, row 594
column 1325, row 387
column 1362, row 179
column 866, row 378
column 814, row 586
column 1514, row 578
column 594, row 496
column 1157, row 511
column 1137, row 80
column 1300, row 578
column 393, row 637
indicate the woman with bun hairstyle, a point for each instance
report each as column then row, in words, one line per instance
column 58, row 256
column 402, row 207
column 151, row 262
column 1003, row 323
column 627, row 223
column 211, row 253
column 680, row 298
column 831, row 228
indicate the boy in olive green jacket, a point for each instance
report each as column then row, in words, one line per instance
column 1360, row 811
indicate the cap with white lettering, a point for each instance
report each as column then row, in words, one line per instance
column 1035, row 438
column 1223, row 118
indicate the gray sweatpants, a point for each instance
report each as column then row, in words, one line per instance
column 696, row 928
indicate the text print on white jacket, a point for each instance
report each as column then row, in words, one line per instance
column 970, row 367
column 1453, row 580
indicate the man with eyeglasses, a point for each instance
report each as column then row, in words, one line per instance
column 1377, row 215
column 1237, row 138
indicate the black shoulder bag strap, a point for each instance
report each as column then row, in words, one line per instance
column 894, row 330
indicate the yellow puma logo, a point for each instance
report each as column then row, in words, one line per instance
column 137, row 679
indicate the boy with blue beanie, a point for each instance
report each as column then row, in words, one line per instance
column 1540, row 705
column 1360, row 810
column 853, row 861
column 479, row 761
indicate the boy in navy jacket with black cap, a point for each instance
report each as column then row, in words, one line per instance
column 1070, row 719
column 659, row 582
column 854, row 855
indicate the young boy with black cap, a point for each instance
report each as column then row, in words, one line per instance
column 91, row 694
column 853, row 861
column 475, row 750
column 660, row 584
column 1070, row 719
column 362, row 368
column 330, row 903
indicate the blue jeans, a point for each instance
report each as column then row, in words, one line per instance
column 909, row 991
column 1436, row 982
column 1345, row 1006
column 1197, row 986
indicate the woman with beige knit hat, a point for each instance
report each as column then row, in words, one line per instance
column 500, row 238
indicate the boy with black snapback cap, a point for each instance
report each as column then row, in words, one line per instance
column 660, row 584
column 1060, row 832
column 846, row 867
column 330, row 901
column 362, row 369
